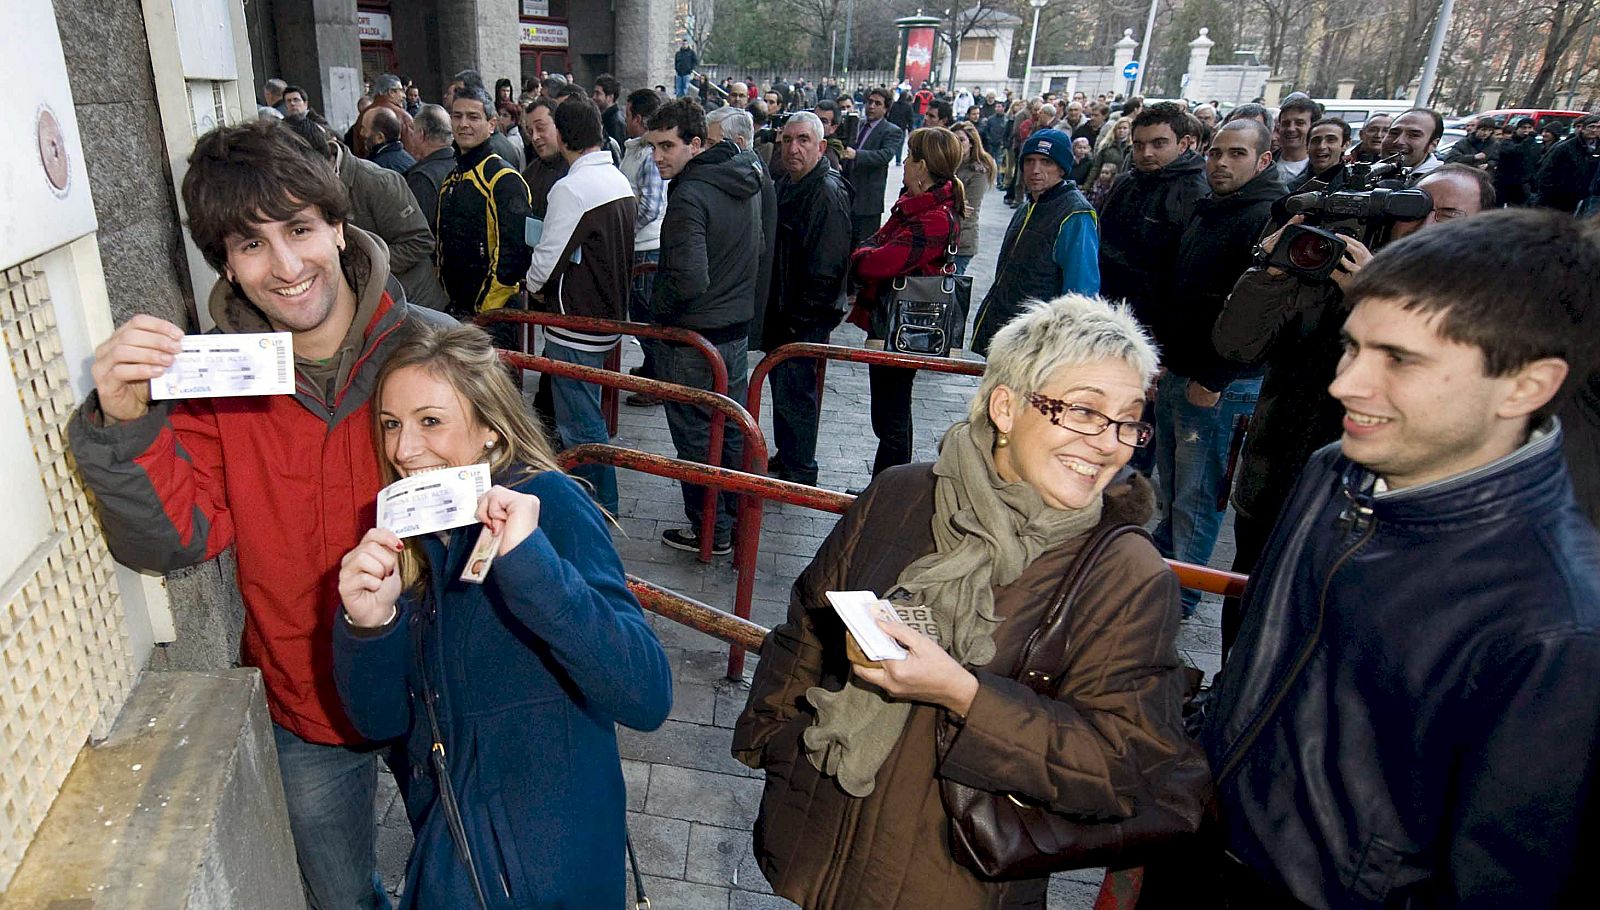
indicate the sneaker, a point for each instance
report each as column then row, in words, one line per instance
column 687, row 539
column 641, row 400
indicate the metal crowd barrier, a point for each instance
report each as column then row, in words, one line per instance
column 608, row 394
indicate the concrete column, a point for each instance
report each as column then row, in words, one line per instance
column 644, row 28
column 1123, row 55
column 1199, row 55
column 1273, row 93
column 1346, row 89
column 1489, row 99
column 482, row 35
column 319, row 49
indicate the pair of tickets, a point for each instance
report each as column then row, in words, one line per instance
column 228, row 366
column 860, row 611
column 439, row 500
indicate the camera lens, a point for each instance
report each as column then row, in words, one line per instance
column 1311, row 252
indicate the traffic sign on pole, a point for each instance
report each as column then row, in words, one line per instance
column 1131, row 71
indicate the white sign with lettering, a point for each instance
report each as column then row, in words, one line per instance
column 374, row 26
column 539, row 8
column 543, row 34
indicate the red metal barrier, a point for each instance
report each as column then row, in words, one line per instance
column 827, row 352
column 701, row 617
column 608, row 394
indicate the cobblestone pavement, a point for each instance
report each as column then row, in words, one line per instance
column 691, row 807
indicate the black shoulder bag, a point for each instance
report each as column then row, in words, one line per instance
column 928, row 313
column 1006, row 836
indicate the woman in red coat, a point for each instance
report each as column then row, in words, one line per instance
column 916, row 240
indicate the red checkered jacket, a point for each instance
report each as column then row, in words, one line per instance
column 914, row 241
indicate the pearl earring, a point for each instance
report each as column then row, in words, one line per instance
column 1002, row 441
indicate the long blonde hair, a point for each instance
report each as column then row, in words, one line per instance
column 976, row 153
column 463, row 356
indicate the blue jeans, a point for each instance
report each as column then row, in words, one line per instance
column 1191, row 454
column 639, row 307
column 961, row 263
column 796, row 410
column 580, row 420
column 691, row 426
column 680, row 86
column 330, row 792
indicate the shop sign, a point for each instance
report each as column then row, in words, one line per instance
column 543, row 34
column 374, row 26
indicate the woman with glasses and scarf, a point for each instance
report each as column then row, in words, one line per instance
column 971, row 549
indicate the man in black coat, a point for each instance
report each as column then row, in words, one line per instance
column 866, row 165
column 432, row 138
column 1564, row 177
column 683, row 64
column 1518, row 160
column 712, row 247
column 1201, row 395
column 806, row 298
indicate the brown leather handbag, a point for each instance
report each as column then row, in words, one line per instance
column 1008, row 836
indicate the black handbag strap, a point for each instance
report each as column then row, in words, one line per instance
column 1044, row 655
column 436, row 757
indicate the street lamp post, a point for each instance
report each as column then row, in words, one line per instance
column 1027, row 72
column 1144, row 48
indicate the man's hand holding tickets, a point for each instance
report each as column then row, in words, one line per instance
column 369, row 579
column 139, row 350
column 512, row 516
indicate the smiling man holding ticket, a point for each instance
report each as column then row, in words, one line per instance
column 493, row 628
column 259, row 437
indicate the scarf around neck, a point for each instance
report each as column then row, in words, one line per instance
column 986, row 532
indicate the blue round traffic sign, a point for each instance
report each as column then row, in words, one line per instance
column 1131, row 71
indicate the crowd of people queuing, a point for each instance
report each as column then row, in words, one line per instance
column 1406, row 714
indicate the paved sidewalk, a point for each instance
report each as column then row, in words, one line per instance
column 691, row 806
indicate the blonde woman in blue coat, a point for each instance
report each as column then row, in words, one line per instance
column 526, row 674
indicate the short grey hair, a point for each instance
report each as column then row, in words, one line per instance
column 276, row 86
column 1069, row 331
column 810, row 121
column 433, row 124
column 734, row 123
column 477, row 93
column 385, row 84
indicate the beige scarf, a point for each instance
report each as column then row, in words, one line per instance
column 986, row 531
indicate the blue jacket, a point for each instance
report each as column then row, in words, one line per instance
column 1051, row 247
column 1410, row 714
column 530, row 670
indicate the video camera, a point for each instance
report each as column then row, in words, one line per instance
column 1363, row 201
column 775, row 122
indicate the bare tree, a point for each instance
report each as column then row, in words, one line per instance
column 1566, row 19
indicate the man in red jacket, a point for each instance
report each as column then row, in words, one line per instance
column 289, row 482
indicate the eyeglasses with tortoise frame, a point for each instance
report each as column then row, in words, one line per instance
column 1089, row 422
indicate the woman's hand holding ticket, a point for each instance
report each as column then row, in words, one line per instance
column 139, row 350
column 928, row 674
column 369, row 579
column 512, row 516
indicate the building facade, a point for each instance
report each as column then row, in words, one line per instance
column 332, row 48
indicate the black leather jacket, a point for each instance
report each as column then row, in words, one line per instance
column 1410, row 715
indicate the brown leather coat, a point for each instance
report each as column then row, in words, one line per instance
column 1118, row 719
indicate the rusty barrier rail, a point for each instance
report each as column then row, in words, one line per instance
column 686, row 611
column 597, row 326
column 720, row 406
column 756, row 487
column 827, row 352
column 719, row 383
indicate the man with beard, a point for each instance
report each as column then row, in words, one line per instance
column 806, row 298
column 1200, row 395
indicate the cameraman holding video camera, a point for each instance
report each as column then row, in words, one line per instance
column 1289, row 324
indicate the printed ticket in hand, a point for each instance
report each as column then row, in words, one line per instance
column 860, row 611
column 226, row 365
column 433, row 500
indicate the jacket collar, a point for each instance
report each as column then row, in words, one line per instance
column 591, row 159
column 1531, row 479
column 909, row 205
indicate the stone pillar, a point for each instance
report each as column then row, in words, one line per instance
column 1273, row 93
column 1489, row 99
column 481, row 35
column 1199, row 54
column 319, row 49
column 1346, row 89
column 1123, row 56
column 645, row 28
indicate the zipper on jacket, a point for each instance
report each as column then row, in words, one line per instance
column 1253, row 732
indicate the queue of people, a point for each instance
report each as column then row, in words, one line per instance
column 1406, row 714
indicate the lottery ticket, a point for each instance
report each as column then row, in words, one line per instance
column 860, row 611
column 228, row 365
column 433, row 500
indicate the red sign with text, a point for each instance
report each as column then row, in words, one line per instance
column 919, row 54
